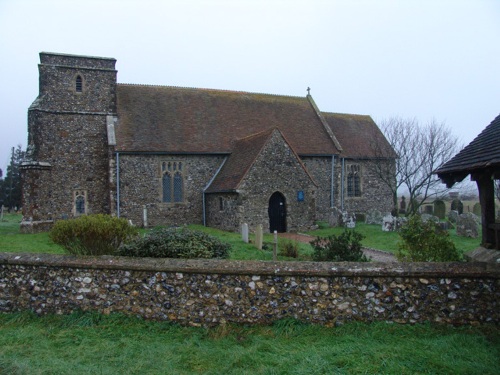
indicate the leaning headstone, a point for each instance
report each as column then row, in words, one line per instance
column 477, row 209
column 467, row 225
column 374, row 217
column 439, row 209
column 244, row 232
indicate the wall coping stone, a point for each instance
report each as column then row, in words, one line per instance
column 316, row 269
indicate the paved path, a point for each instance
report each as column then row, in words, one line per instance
column 373, row 254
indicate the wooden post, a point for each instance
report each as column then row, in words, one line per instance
column 275, row 246
column 487, row 201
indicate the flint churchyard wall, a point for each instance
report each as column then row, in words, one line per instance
column 212, row 292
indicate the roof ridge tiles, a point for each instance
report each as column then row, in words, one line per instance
column 345, row 114
column 211, row 89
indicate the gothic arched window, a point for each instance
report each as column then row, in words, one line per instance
column 172, row 181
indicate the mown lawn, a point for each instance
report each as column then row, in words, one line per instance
column 11, row 240
column 88, row 343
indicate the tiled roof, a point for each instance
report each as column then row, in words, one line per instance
column 359, row 136
column 184, row 120
column 237, row 165
column 245, row 153
column 483, row 152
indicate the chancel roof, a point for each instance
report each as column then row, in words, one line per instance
column 359, row 136
column 482, row 154
column 183, row 120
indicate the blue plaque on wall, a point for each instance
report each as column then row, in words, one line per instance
column 300, row 196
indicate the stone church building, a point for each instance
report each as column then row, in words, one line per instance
column 161, row 155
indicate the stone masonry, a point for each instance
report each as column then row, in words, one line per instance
column 213, row 292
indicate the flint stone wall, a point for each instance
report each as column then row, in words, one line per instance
column 212, row 292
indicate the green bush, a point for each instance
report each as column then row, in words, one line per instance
column 425, row 242
column 92, row 234
column 288, row 248
column 176, row 243
column 345, row 247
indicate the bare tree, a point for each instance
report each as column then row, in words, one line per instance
column 420, row 150
column 399, row 136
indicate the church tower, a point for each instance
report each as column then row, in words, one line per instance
column 70, row 140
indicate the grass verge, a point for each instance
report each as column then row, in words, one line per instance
column 89, row 343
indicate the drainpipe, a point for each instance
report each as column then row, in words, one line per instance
column 118, row 184
column 332, row 187
column 342, row 185
column 205, row 189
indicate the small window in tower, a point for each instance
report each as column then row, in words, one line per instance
column 78, row 84
column 79, row 202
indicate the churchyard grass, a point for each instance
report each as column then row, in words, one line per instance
column 89, row 343
column 11, row 240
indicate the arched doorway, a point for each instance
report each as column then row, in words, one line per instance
column 277, row 213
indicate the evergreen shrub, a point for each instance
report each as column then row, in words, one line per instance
column 92, row 234
column 345, row 247
column 425, row 242
column 288, row 248
column 176, row 243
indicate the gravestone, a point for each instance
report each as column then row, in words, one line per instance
column 468, row 225
column 334, row 217
column 444, row 225
column 426, row 217
column 453, row 216
column 374, row 217
column 244, row 232
column 388, row 223
column 402, row 206
column 439, row 209
column 476, row 210
column 351, row 222
column 457, row 205
column 429, row 210
column 144, row 216
column 258, row 236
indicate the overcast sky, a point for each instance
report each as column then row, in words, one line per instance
column 414, row 58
